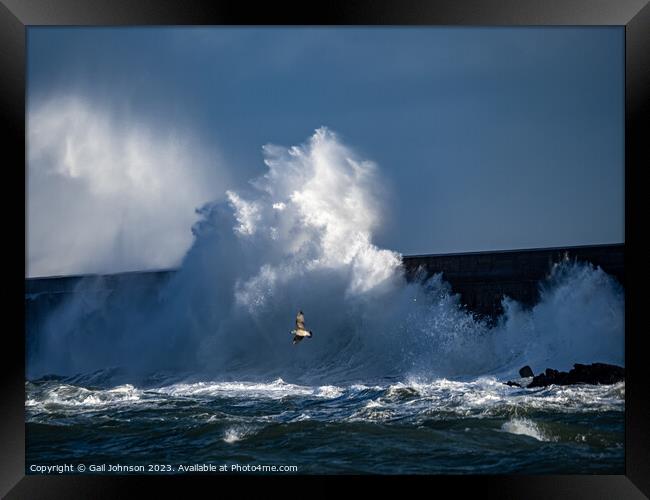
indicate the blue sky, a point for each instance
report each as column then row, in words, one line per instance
column 488, row 138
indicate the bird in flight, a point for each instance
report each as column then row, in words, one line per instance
column 300, row 332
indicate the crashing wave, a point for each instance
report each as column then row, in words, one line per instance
column 301, row 237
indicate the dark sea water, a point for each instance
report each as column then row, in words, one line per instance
column 382, row 427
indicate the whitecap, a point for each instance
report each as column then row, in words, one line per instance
column 235, row 434
column 525, row 427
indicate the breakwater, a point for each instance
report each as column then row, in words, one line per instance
column 481, row 278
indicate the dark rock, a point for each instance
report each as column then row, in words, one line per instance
column 596, row 373
column 526, row 371
column 512, row 384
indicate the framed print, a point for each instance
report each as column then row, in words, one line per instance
column 372, row 243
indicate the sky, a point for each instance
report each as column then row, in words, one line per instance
column 485, row 138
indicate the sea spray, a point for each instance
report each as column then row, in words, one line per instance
column 301, row 237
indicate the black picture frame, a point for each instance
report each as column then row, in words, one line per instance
column 16, row 15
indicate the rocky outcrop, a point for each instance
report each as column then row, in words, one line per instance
column 596, row 373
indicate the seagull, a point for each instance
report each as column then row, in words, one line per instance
column 299, row 333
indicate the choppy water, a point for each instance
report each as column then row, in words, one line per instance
column 388, row 427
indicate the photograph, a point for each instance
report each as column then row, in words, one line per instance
column 325, row 250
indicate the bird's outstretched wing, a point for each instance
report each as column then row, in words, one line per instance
column 300, row 321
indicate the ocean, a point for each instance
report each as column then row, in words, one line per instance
column 441, row 426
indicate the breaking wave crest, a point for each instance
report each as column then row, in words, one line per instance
column 482, row 398
column 525, row 427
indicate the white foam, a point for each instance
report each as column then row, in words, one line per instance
column 329, row 391
column 525, row 427
column 488, row 397
column 235, row 434
column 72, row 399
column 276, row 389
column 414, row 401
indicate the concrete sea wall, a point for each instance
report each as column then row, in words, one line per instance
column 481, row 278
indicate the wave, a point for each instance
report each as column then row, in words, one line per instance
column 481, row 398
column 62, row 396
column 526, row 427
column 276, row 389
column 234, row 434
column 209, row 420
column 301, row 238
